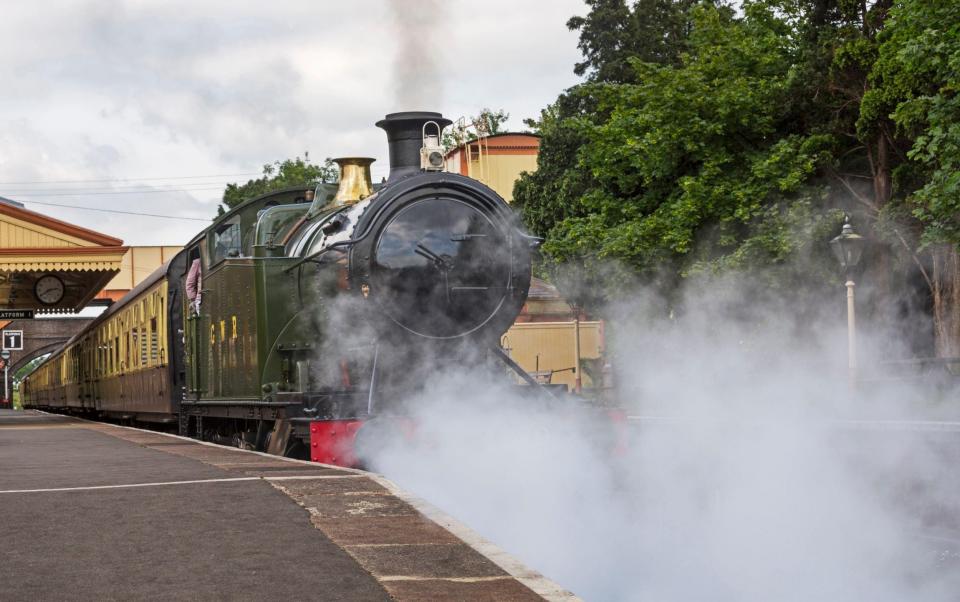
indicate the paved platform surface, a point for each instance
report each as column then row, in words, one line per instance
column 90, row 511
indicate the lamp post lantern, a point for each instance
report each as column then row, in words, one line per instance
column 848, row 247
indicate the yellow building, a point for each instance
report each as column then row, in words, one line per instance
column 547, row 350
column 496, row 160
column 543, row 340
column 137, row 264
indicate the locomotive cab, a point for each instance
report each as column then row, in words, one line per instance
column 224, row 335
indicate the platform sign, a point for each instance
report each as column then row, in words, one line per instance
column 13, row 340
column 16, row 314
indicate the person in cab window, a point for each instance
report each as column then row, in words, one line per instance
column 194, row 284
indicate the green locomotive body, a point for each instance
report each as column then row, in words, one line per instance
column 297, row 315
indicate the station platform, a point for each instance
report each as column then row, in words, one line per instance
column 97, row 511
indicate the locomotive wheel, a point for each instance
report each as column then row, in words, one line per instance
column 245, row 440
column 296, row 449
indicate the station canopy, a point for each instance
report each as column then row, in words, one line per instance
column 50, row 266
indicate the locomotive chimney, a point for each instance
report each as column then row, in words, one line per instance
column 405, row 137
column 355, row 184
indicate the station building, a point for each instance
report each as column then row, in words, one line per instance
column 51, row 265
column 137, row 263
column 55, row 277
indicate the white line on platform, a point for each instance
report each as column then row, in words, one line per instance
column 164, row 483
column 129, row 485
column 452, row 579
column 313, row 477
column 884, row 425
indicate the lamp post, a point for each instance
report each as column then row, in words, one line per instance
column 5, row 355
column 848, row 247
column 578, row 382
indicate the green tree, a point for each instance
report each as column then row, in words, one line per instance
column 29, row 367
column 490, row 122
column 914, row 86
column 279, row 175
column 554, row 191
column 654, row 31
column 486, row 123
column 720, row 141
column 695, row 166
column 613, row 33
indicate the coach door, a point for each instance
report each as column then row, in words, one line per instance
column 194, row 349
column 194, row 333
column 84, row 379
column 94, row 374
column 99, row 367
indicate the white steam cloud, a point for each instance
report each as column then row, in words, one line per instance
column 417, row 71
column 745, row 473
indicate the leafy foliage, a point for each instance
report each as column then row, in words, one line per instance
column 486, row 123
column 694, row 167
column 705, row 140
column 613, row 34
column 279, row 175
column 916, row 81
column 555, row 190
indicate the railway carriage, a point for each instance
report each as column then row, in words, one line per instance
column 123, row 365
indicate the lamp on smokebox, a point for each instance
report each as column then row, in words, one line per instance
column 431, row 153
column 848, row 247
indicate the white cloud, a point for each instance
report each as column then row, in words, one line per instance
column 133, row 89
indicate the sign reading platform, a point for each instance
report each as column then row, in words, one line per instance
column 16, row 314
column 13, row 340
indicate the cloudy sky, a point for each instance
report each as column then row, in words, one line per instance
column 151, row 106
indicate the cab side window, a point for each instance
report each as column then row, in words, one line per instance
column 226, row 242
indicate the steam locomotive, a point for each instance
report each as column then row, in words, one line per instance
column 299, row 315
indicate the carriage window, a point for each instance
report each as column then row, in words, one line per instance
column 135, row 346
column 154, row 341
column 226, row 242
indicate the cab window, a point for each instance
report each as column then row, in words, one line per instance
column 226, row 241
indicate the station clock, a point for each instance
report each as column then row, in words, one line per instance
column 49, row 289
